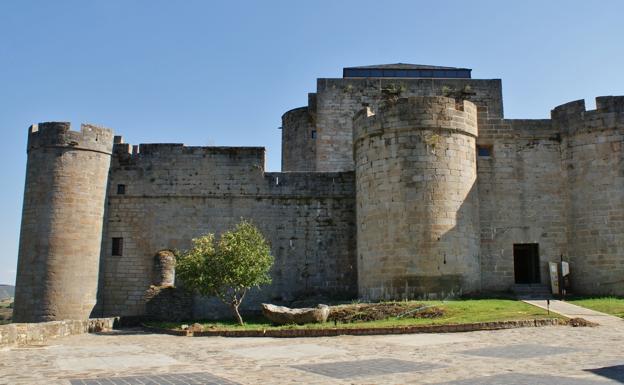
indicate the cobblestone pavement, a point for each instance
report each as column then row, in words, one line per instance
column 547, row 355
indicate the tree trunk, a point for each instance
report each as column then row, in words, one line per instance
column 237, row 315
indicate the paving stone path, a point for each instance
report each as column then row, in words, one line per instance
column 573, row 311
column 548, row 355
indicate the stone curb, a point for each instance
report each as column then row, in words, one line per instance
column 331, row 332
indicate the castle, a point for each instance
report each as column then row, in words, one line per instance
column 398, row 181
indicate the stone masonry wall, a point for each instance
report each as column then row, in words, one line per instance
column 593, row 161
column 174, row 193
column 417, row 204
column 521, row 197
column 62, row 219
column 338, row 100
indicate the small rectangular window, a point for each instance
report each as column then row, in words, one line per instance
column 313, row 134
column 121, row 189
column 484, row 151
column 117, row 247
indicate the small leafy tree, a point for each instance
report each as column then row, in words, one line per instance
column 227, row 269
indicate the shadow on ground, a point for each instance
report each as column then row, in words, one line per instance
column 611, row 372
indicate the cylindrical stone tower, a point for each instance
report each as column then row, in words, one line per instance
column 298, row 140
column 417, row 206
column 593, row 161
column 62, row 219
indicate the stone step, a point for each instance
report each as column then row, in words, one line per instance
column 532, row 291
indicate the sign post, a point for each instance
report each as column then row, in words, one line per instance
column 565, row 277
column 554, row 277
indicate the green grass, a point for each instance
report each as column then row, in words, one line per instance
column 609, row 305
column 456, row 312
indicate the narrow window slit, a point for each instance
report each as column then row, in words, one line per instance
column 117, row 247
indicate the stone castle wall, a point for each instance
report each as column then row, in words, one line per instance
column 521, row 197
column 62, row 219
column 174, row 193
column 417, row 204
column 338, row 100
column 593, row 163
column 434, row 219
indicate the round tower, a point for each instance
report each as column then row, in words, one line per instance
column 298, row 140
column 593, row 153
column 62, row 219
column 417, row 206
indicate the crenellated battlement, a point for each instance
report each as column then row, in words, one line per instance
column 573, row 117
column 417, row 112
column 610, row 104
column 173, row 168
column 133, row 154
column 180, row 149
column 59, row 134
column 604, row 104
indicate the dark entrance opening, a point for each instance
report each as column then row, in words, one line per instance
column 526, row 263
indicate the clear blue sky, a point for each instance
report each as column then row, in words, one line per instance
column 222, row 73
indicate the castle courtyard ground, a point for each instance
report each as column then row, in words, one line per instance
column 547, row 355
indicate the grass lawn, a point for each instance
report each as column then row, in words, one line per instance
column 455, row 312
column 609, row 305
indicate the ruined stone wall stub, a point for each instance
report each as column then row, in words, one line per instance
column 62, row 221
column 164, row 268
column 417, row 205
